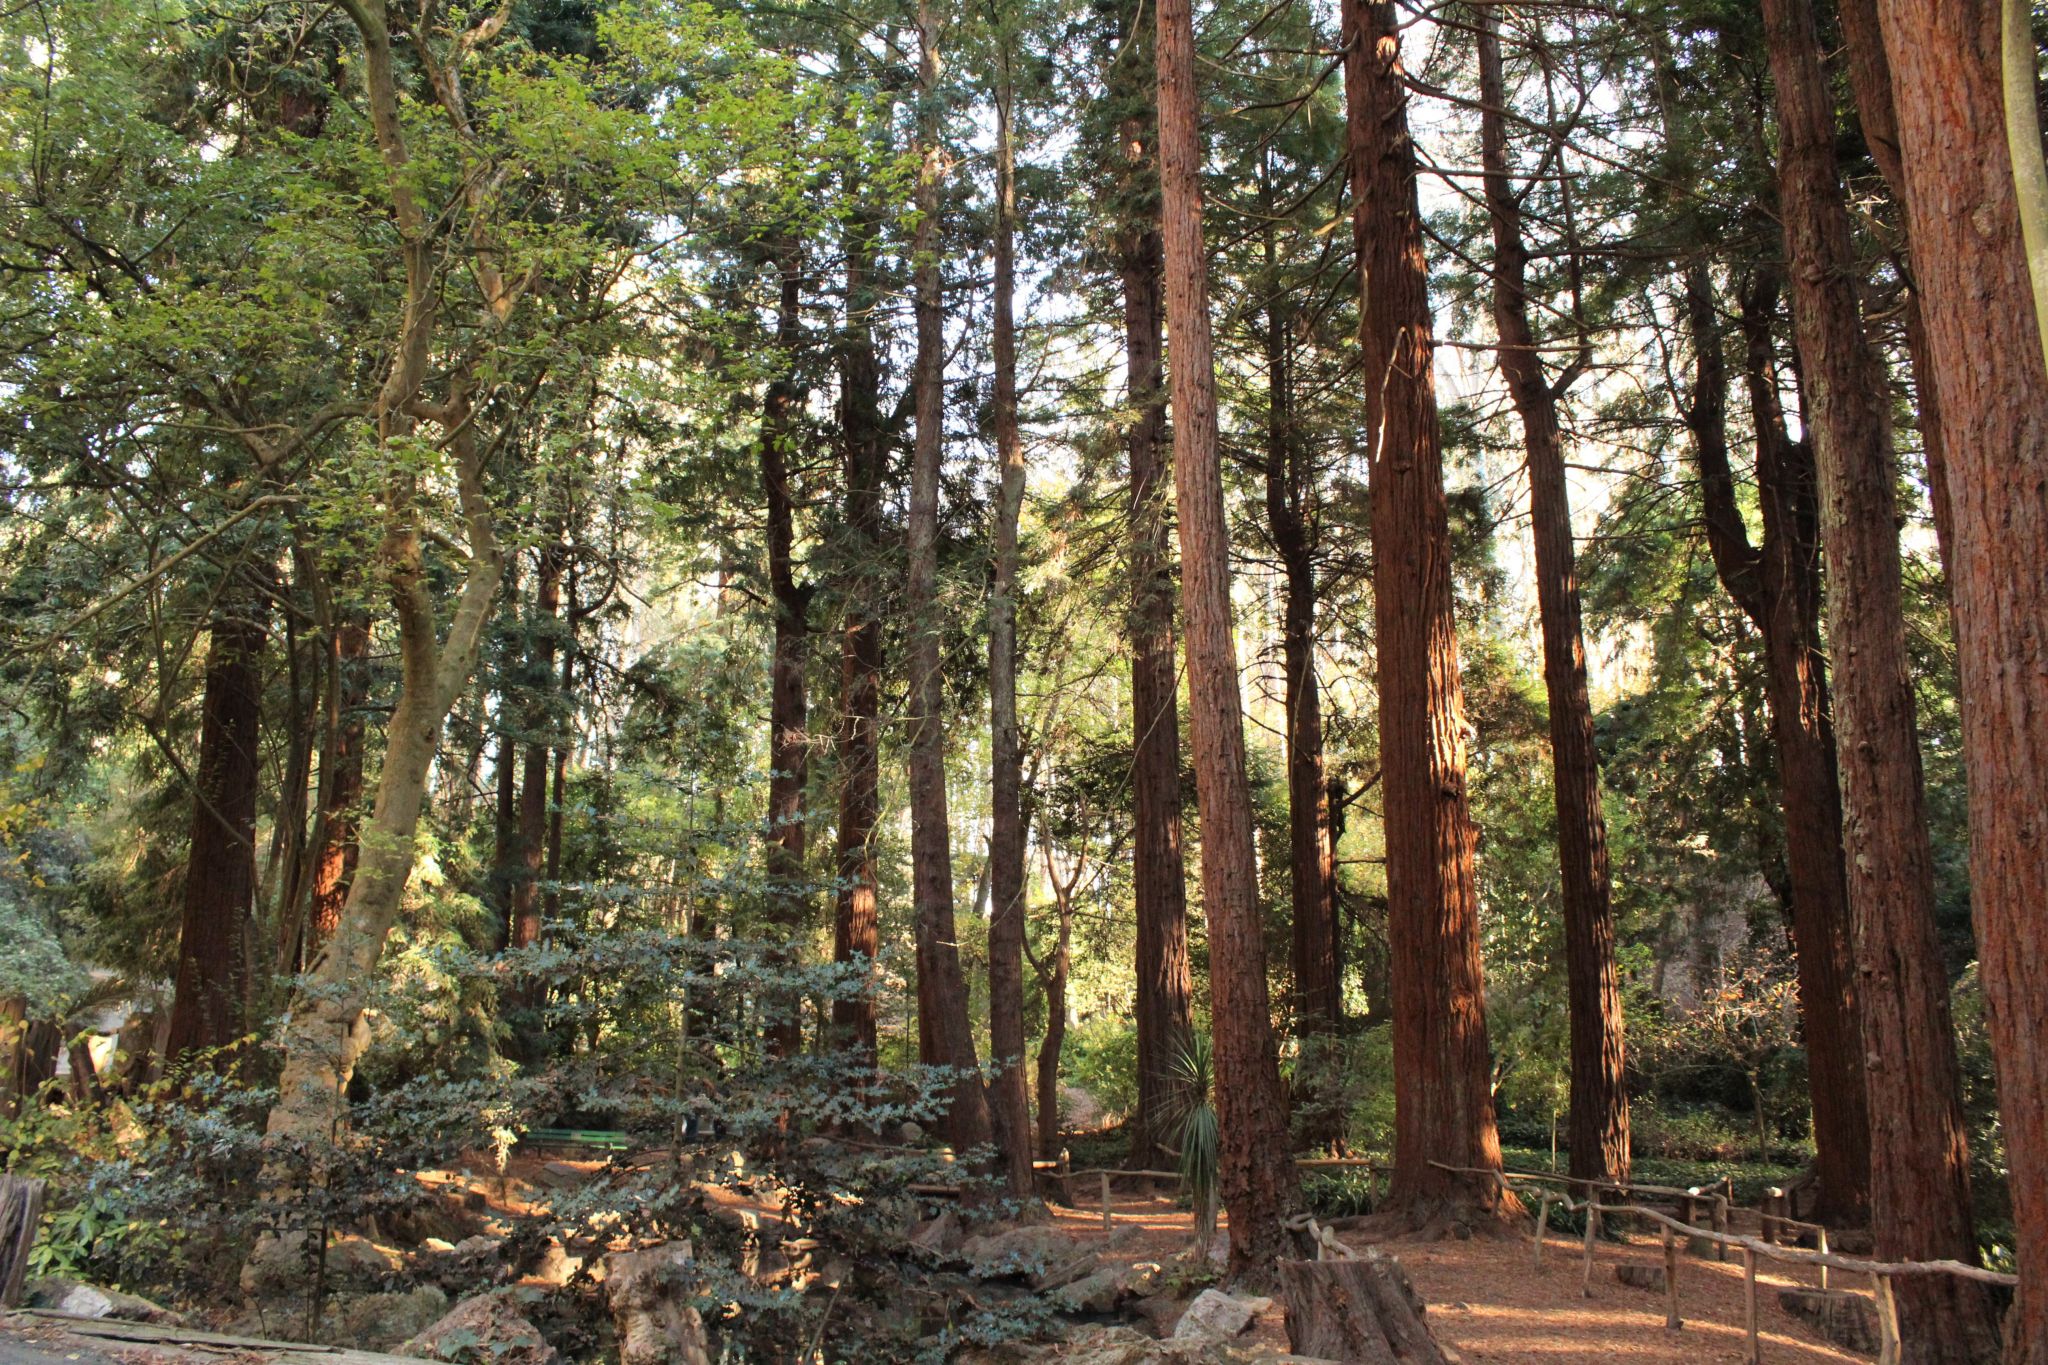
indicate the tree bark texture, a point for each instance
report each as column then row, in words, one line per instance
column 788, row 703
column 1443, row 1100
column 856, row 935
column 1009, row 1101
column 220, row 868
column 942, row 985
column 341, row 780
column 1165, row 1017
column 1919, row 1163
column 1599, row 1083
column 1963, row 231
column 1359, row 1309
column 1256, row 1175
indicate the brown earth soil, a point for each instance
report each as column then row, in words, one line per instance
column 1491, row 1303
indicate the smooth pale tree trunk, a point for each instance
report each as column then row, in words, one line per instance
column 1919, row 1167
column 325, row 1035
column 220, row 868
column 1443, row 1099
column 1009, row 1101
column 1165, row 980
column 856, row 935
column 1963, row 230
column 788, row 701
column 942, row 985
column 1256, row 1175
column 1599, row 1081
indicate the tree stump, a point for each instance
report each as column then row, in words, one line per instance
column 21, row 1211
column 1361, row 1310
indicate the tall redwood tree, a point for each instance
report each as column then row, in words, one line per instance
column 1963, row 229
column 220, row 868
column 1443, row 1098
column 1599, row 1082
column 1256, row 1173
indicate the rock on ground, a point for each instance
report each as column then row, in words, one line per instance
column 485, row 1330
column 1048, row 1256
column 83, row 1300
column 649, row 1298
column 1218, row 1315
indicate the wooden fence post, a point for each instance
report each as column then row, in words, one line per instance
column 1592, row 1235
column 1721, row 1226
column 1542, row 1221
column 1106, row 1215
column 1822, row 1244
column 1769, row 1216
column 1756, row 1353
column 1672, row 1321
column 1067, row 1176
column 1887, row 1320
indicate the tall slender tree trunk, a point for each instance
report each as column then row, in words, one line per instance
column 1963, row 229
column 788, row 703
column 1777, row 586
column 540, row 721
column 341, row 779
column 1919, row 1163
column 1009, row 1101
column 856, row 935
column 1158, row 871
column 1443, row 1099
column 1870, row 77
column 1053, row 978
column 1802, row 731
column 220, row 868
column 1256, row 1174
column 1312, row 872
column 942, row 985
column 1599, row 1082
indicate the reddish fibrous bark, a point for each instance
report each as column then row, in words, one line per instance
column 788, row 703
column 1963, row 231
column 856, row 935
column 1165, row 980
column 220, row 868
column 1009, row 1100
column 341, row 780
column 1919, row 1164
column 1599, row 1083
column 1443, row 1101
column 1256, row 1176
column 948, row 1038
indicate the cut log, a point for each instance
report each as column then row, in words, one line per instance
column 1362, row 1310
column 21, row 1213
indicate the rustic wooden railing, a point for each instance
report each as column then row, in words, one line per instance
column 1880, row 1273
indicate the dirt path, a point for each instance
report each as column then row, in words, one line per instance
column 1488, row 1301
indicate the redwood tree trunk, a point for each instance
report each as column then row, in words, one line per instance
column 942, row 986
column 856, row 935
column 1802, row 730
column 1311, row 867
column 341, row 780
column 1919, row 1164
column 1158, row 872
column 1256, row 1175
column 1599, row 1083
column 1443, row 1101
column 788, row 704
column 1009, row 1102
column 220, row 869
column 540, row 726
column 1963, row 229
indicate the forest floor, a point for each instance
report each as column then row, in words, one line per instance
column 1488, row 1302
